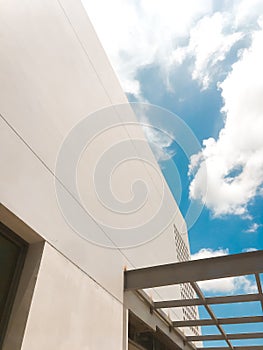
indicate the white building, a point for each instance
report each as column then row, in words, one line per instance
column 63, row 289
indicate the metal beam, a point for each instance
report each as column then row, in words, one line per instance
column 208, row 301
column 236, row 336
column 176, row 303
column 196, row 270
column 210, row 322
column 259, row 288
column 193, row 323
column 255, row 347
column 200, row 295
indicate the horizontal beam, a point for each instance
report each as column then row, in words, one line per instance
column 208, row 301
column 165, row 304
column 210, row 322
column 253, row 347
column 236, row 336
column 192, row 323
column 195, row 270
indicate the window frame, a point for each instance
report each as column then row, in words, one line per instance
column 23, row 247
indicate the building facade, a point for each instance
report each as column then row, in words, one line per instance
column 63, row 288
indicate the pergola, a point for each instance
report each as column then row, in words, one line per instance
column 203, row 270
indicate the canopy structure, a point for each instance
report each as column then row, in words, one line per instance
column 203, row 270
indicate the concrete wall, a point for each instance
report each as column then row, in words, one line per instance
column 53, row 73
column 70, row 311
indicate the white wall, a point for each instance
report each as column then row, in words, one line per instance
column 70, row 311
column 53, row 73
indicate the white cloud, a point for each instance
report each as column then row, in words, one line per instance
column 160, row 142
column 136, row 34
column 159, row 137
column 205, row 253
column 234, row 162
column 248, row 250
column 228, row 285
column 253, row 228
column 164, row 33
column 213, row 47
column 246, row 12
column 209, row 44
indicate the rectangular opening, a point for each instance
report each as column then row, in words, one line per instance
column 142, row 337
column 12, row 257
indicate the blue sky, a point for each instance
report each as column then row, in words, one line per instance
column 202, row 60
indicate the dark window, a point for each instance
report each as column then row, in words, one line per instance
column 12, row 256
column 139, row 333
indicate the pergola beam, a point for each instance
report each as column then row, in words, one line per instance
column 259, row 286
column 201, row 296
column 222, row 321
column 208, row 301
column 236, row 336
column 255, row 347
column 196, row 270
column 202, row 270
